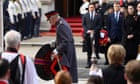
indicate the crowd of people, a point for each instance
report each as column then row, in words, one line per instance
column 120, row 21
column 114, row 73
column 23, row 16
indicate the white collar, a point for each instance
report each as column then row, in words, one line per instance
column 118, row 12
column 92, row 12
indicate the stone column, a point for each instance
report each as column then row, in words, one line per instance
column 47, row 5
column 1, row 25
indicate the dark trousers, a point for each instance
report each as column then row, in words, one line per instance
column 6, row 23
column 88, row 43
column 21, row 25
column 28, row 24
column 36, row 24
column 96, row 46
column 131, row 48
column 13, row 25
column 113, row 41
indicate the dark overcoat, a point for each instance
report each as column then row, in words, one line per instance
column 65, row 47
column 130, row 44
column 114, row 74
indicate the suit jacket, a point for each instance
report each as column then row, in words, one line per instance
column 95, row 24
column 114, row 27
column 114, row 74
column 65, row 47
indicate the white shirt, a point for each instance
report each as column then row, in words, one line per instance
column 11, row 11
column 117, row 14
column 24, row 8
column 28, row 5
column 18, row 8
column 30, row 76
column 34, row 7
column 83, row 8
column 92, row 16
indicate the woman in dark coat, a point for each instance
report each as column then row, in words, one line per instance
column 129, row 34
column 138, row 22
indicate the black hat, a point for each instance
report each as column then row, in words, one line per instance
column 51, row 13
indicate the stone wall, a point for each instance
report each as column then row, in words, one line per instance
column 47, row 5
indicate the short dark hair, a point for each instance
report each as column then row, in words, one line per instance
column 116, row 2
column 138, row 3
column 91, row 4
column 4, row 67
column 95, row 80
column 132, row 71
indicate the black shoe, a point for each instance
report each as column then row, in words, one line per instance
column 87, row 66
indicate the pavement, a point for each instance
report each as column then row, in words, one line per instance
column 31, row 46
column 38, row 41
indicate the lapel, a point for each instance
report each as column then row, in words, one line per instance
column 114, row 17
column 120, row 16
column 95, row 17
column 88, row 16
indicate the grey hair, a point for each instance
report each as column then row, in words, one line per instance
column 57, row 15
column 12, row 39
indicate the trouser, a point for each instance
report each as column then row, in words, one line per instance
column 36, row 25
column 88, row 42
column 28, row 24
column 13, row 25
column 96, row 46
column 21, row 25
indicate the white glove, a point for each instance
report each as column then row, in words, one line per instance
column 52, row 44
column 55, row 53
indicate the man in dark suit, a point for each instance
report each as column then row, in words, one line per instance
column 64, row 44
column 115, row 24
column 92, row 24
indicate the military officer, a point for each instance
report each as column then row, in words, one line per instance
column 64, row 44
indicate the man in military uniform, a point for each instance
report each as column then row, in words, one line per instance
column 64, row 44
